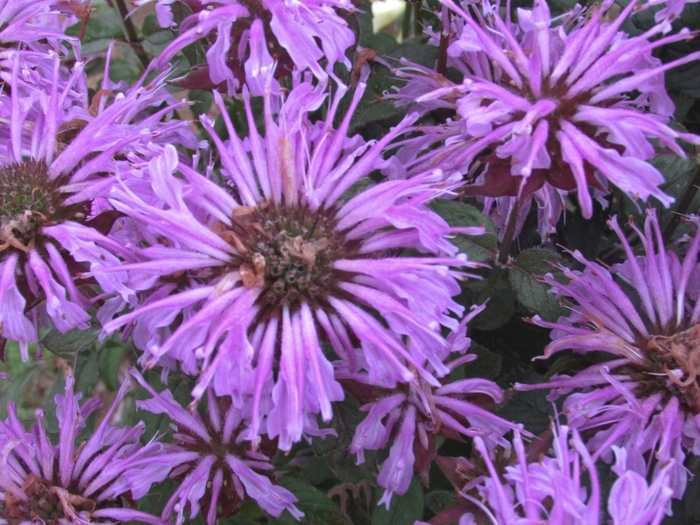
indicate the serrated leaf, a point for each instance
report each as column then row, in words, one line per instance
column 318, row 508
column 316, row 471
column 530, row 290
column 404, row 510
column 479, row 248
column 87, row 373
column 67, row 345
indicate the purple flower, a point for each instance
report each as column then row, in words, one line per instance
column 413, row 414
column 645, row 314
column 300, row 35
column 551, row 107
column 32, row 24
column 215, row 469
column 95, row 481
column 252, row 281
column 58, row 155
column 563, row 489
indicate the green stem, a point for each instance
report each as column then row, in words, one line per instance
column 418, row 19
column 503, row 253
column 132, row 34
column 406, row 23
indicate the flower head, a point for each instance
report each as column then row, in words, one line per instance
column 564, row 488
column 237, row 33
column 644, row 397
column 95, row 481
column 414, row 414
column 55, row 162
column 253, row 281
column 214, row 468
column 550, row 107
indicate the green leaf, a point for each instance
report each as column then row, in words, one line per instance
column 150, row 25
column 373, row 107
column 68, row 345
column 13, row 390
column 318, row 508
column 336, row 450
column 486, row 366
column 530, row 408
column 110, row 358
column 361, row 185
column 530, row 290
column 479, row 248
column 87, row 374
column 499, row 308
column 204, row 100
column 439, row 500
column 404, row 510
column 104, row 24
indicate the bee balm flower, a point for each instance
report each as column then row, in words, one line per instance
column 254, row 281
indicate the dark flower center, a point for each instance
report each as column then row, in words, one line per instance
column 229, row 501
column 29, row 201
column 289, row 252
column 676, row 358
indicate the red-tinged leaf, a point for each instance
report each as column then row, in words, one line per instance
column 458, row 470
column 462, row 506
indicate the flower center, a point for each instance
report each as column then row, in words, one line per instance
column 673, row 366
column 229, row 500
column 53, row 505
column 29, row 201
column 289, row 252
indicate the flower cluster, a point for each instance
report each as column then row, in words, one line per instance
column 301, row 242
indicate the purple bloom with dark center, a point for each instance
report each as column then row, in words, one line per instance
column 563, row 489
column 95, row 481
column 300, row 34
column 253, row 280
column 215, row 468
column 413, row 414
column 645, row 314
column 58, row 153
column 551, row 107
